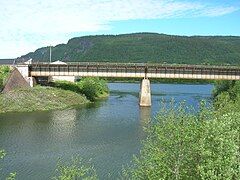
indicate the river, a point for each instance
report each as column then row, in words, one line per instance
column 107, row 132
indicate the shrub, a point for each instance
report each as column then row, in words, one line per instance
column 184, row 146
column 92, row 88
column 227, row 96
column 66, row 85
column 75, row 170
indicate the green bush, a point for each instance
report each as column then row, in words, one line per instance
column 227, row 96
column 66, row 85
column 180, row 145
column 184, row 146
column 75, row 170
column 4, row 72
column 92, row 88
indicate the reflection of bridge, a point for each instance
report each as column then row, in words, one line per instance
column 131, row 70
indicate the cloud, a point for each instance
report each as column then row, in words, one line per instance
column 218, row 11
column 27, row 24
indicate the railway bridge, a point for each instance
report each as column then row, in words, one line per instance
column 145, row 71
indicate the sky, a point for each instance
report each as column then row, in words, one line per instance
column 26, row 25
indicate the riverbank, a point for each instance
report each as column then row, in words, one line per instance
column 39, row 99
column 59, row 95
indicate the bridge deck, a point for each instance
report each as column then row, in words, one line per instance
column 136, row 70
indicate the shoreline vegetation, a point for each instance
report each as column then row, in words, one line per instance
column 92, row 88
column 39, row 98
column 180, row 145
column 58, row 95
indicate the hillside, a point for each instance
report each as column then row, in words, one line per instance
column 145, row 47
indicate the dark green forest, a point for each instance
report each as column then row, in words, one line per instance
column 145, row 47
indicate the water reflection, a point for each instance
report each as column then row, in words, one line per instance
column 109, row 131
column 63, row 123
column 145, row 115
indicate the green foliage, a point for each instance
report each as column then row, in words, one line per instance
column 66, row 85
column 39, row 99
column 92, row 88
column 65, row 94
column 75, row 170
column 222, row 100
column 146, row 47
column 4, row 72
column 227, row 95
column 2, row 154
column 219, row 148
column 12, row 176
column 184, row 146
column 222, row 86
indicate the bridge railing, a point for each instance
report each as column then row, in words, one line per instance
column 136, row 68
column 144, row 64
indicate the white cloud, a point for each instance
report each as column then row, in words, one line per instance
column 218, row 11
column 27, row 24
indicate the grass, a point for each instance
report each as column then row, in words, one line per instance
column 39, row 99
column 4, row 73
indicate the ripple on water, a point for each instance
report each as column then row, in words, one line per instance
column 108, row 132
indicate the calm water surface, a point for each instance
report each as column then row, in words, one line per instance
column 108, row 132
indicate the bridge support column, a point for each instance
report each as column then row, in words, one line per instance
column 32, row 81
column 145, row 93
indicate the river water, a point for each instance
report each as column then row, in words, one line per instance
column 106, row 133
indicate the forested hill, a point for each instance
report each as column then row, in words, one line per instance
column 145, row 47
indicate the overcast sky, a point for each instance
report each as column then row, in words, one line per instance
column 29, row 24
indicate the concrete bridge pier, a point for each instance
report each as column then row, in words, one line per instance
column 145, row 93
column 32, row 81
